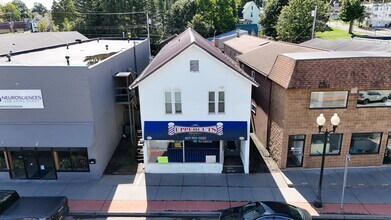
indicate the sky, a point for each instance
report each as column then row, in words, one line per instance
column 30, row 3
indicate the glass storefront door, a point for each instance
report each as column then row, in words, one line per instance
column 295, row 150
column 30, row 163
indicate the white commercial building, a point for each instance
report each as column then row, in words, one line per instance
column 379, row 14
column 195, row 107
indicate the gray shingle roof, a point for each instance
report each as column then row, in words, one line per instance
column 178, row 45
column 348, row 45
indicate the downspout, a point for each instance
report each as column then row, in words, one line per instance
column 269, row 121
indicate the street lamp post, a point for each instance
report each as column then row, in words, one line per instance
column 321, row 120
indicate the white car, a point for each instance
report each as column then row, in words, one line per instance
column 365, row 97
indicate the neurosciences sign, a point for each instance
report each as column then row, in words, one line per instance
column 195, row 130
column 21, row 99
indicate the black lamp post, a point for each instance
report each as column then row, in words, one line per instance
column 321, row 120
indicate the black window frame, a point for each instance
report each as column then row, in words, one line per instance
column 326, row 154
column 70, row 150
column 351, row 140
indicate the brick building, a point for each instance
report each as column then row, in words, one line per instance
column 298, row 83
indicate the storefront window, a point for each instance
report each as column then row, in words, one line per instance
column 71, row 159
column 333, row 145
column 331, row 99
column 365, row 143
column 79, row 159
column 374, row 98
column 3, row 160
column 165, row 151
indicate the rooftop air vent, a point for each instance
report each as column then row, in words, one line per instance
column 194, row 66
column 78, row 40
column 107, row 47
column 67, row 46
column 9, row 57
column 67, row 58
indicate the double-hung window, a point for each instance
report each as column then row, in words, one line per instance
column 212, row 102
column 178, row 103
column 221, row 102
column 168, row 102
column 169, row 97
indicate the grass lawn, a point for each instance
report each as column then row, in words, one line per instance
column 335, row 34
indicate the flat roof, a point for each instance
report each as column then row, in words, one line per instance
column 83, row 54
column 245, row 43
column 336, row 55
column 349, row 45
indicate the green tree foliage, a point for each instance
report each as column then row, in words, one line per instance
column 67, row 25
column 180, row 14
column 10, row 12
column 39, row 8
column 42, row 26
column 199, row 24
column 24, row 11
column 350, row 11
column 295, row 21
column 270, row 16
column 61, row 10
column 226, row 15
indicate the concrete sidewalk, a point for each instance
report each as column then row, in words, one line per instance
column 368, row 191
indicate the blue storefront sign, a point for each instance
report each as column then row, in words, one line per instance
column 195, row 130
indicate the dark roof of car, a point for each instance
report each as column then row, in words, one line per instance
column 178, row 45
column 33, row 207
column 32, row 41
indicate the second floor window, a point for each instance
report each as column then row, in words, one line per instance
column 212, row 102
column 168, row 102
column 178, row 102
column 221, row 102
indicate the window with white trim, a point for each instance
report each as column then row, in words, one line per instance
column 212, row 102
column 168, row 102
column 221, row 107
column 178, row 103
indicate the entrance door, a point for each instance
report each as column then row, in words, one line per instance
column 31, row 163
column 46, row 164
column 387, row 155
column 295, row 150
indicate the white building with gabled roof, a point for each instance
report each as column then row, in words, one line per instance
column 195, row 107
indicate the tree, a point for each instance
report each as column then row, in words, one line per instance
column 350, row 11
column 24, row 11
column 295, row 21
column 270, row 16
column 199, row 24
column 67, row 25
column 180, row 14
column 226, row 15
column 42, row 26
column 61, row 10
column 10, row 12
column 39, row 8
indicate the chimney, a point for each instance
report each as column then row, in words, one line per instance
column 67, row 57
column 237, row 33
column 216, row 42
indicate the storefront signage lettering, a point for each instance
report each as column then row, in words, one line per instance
column 195, row 130
column 21, row 99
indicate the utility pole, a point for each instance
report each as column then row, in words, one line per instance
column 313, row 13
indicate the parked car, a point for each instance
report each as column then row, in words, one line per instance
column 265, row 211
column 365, row 97
column 12, row 206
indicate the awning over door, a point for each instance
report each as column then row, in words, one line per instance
column 46, row 135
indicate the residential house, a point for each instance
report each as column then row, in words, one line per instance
column 379, row 14
column 38, row 19
column 12, row 27
column 250, row 13
column 335, row 6
column 198, row 118
column 221, row 38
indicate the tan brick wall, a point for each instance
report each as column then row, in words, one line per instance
column 299, row 119
column 278, row 110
